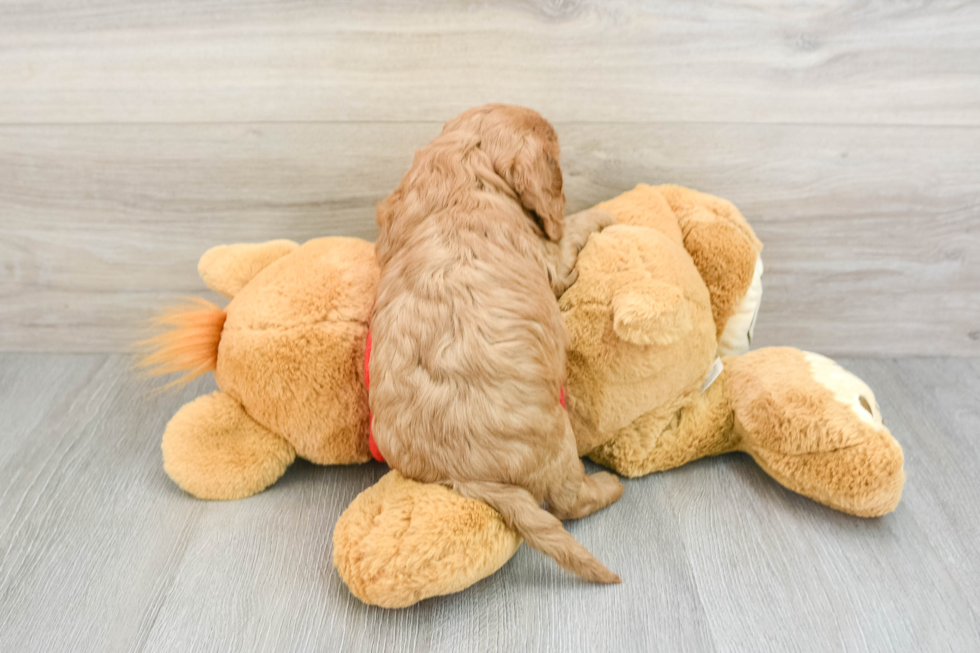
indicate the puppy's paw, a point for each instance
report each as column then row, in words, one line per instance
column 562, row 280
column 584, row 223
column 601, row 220
column 609, row 486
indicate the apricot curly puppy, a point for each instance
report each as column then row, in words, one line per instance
column 468, row 344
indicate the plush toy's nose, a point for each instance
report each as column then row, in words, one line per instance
column 847, row 388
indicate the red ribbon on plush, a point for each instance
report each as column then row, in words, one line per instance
column 375, row 452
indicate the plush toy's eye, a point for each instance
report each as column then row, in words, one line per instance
column 866, row 404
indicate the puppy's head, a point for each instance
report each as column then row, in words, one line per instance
column 523, row 148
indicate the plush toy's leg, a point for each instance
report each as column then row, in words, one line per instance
column 696, row 425
column 816, row 428
column 400, row 542
column 813, row 426
column 214, row 450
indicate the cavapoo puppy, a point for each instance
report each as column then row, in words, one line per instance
column 468, row 344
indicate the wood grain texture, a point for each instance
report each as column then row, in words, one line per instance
column 598, row 61
column 872, row 233
column 100, row 552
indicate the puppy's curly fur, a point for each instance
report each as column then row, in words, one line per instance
column 468, row 344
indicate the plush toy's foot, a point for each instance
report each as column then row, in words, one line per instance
column 400, row 542
column 815, row 428
column 214, row 450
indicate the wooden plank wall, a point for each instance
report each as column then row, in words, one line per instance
column 133, row 136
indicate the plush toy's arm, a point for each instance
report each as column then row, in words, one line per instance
column 227, row 268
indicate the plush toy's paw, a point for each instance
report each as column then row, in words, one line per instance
column 214, row 450
column 226, row 269
column 400, row 542
column 816, row 428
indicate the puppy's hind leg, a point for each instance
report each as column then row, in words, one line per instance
column 596, row 492
column 581, row 494
column 541, row 530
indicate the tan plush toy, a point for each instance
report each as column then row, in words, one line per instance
column 676, row 283
column 659, row 298
column 287, row 353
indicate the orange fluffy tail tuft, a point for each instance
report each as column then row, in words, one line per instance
column 189, row 344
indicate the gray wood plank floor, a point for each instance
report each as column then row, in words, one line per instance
column 100, row 552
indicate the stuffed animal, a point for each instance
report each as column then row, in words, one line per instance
column 287, row 353
column 674, row 285
column 659, row 318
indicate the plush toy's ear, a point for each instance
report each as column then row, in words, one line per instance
column 650, row 313
column 536, row 177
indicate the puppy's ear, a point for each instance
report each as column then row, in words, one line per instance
column 536, row 177
column 384, row 212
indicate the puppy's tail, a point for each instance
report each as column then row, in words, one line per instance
column 539, row 528
column 189, row 342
